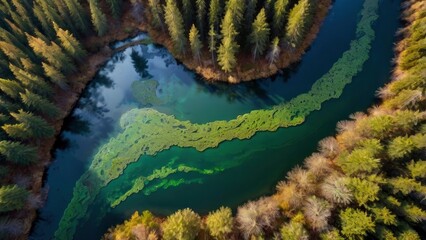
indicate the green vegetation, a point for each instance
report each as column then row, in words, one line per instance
column 40, row 48
column 368, row 182
column 147, row 131
column 235, row 19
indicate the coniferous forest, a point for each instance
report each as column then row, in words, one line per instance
column 366, row 182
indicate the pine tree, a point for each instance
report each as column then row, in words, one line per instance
column 213, row 42
column 249, row 15
column 188, row 13
column 44, row 21
column 236, row 8
column 18, row 153
column 157, row 13
column 115, row 7
column 29, row 126
column 55, row 76
column 78, row 14
column 51, row 14
column 39, row 104
column 228, row 49
column 260, row 34
column 71, row 45
column 99, row 19
column 31, row 81
column 10, row 88
column 12, row 198
column 280, row 10
column 195, row 43
column 201, row 15
column 274, row 52
column 299, row 20
column 215, row 12
column 175, row 25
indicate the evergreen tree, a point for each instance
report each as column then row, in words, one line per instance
column 55, row 76
column 115, row 7
column 188, row 13
column 356, row 224
column 175, row 25
column 10, row 88
column 195, row 43
column 201, row 16
column 274, row 52
column 280, row 10
column 228, row 49
column 31, row 81
column 260, row 34
column 157, row 13
column 12, row 198
column 215, row 12
column 99, row 19
column 212, row 42
column 249, row 15
column 236, row 9
column 71, row 45
column 18, row 153
column 44, row 21
column 39, row 104
column 299, row 20
column 29, row 126
column 78, row 14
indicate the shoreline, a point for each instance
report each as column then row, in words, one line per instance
column 246, row 69
column 129, row 25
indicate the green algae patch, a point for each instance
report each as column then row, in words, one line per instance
column 147, row 131
column 145, row 92
column 142, row 183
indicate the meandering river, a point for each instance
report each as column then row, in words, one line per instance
column 147, row 79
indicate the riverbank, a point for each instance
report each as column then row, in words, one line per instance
column 246, row 68
column 131, row 23
column 365, row 182
column 99, row 53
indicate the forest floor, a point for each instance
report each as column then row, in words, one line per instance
column 133, row 22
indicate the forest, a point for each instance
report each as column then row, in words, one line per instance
column 366, row 182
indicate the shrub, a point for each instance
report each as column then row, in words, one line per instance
column 254, row 217
column 182, row 225
column 355, row 223
column 220, row 223
column 317, row 212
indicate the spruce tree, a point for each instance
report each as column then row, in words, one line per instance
column 236, row 8
column 175, row 25
column 10, row 88
column 213, row 36
column 195, row 43
column 99, row 19
column 71, row 45
column 18, row 153
column 78, row 14
column 299, row 21
column 280, row 10
column 249, row 15
column 188, row 13
column 228, row 49
column 29, row 126
column 274, row 51
column 201, row 16
column 40, row 104
column 31, row 81
column 12, row 198
column 260, row 34
column 215, row 13
column 157, row 13
column 55, row 76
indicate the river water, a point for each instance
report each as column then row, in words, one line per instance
column 249, row 168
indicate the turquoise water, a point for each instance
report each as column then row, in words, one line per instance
column 253, row 167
